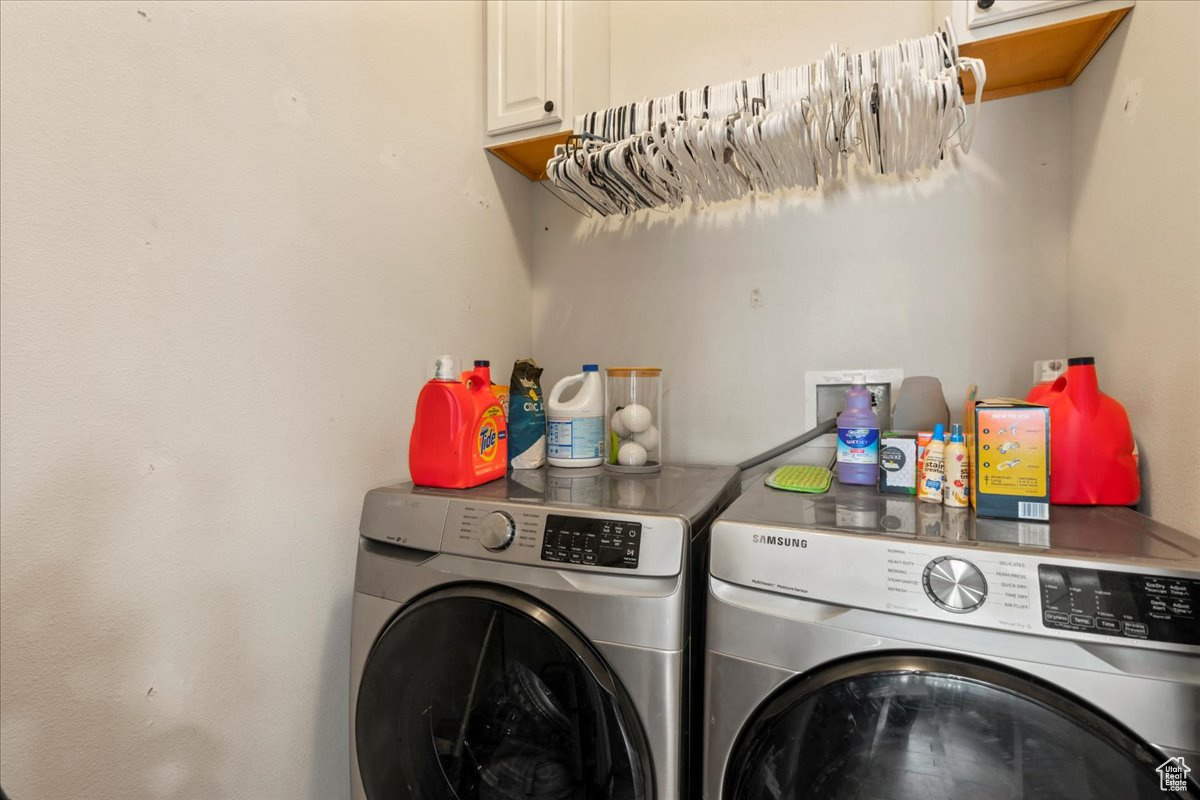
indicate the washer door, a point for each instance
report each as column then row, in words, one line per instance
column 918, row 728
column 473, row 692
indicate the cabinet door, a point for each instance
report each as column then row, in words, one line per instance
column 984, row 13
column 524, row 64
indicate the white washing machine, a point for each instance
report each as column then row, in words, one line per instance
column 531, row 638
column 870, row 646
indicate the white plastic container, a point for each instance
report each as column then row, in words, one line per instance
column 575, row 427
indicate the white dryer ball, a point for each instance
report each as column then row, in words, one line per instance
column 631, row 454
column 636, row 418
column 648, row 438
column 617, row 425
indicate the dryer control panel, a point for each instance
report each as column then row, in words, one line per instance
column 1125, row 604
column 1003, row 589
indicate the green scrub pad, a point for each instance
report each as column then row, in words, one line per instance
column 800, row 478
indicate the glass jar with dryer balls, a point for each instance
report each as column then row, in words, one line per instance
column 633, row 419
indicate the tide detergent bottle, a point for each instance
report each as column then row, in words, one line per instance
column 459, row 437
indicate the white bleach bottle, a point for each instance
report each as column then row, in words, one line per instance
column 575, row 427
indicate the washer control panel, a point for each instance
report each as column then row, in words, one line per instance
column 954, row 584
column 1123, row 604
column 588, row 541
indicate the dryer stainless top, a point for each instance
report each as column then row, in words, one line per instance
column 1102, row 532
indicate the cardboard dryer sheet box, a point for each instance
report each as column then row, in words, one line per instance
column 1008, row 442
column 898, row 463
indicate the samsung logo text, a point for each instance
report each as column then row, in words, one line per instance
column 780, row 541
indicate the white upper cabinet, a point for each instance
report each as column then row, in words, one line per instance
column 976, row 20
column 525, row 64
column 985, row 13
column 547, row 60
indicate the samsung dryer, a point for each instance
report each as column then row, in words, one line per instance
column 870, row 646
column 531, row 638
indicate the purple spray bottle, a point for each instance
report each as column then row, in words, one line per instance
column 858, row 437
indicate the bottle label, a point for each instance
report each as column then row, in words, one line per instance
column 858, row 446
column 487, row 441
column 956, row 489
column 575, row 438
column 934, row 475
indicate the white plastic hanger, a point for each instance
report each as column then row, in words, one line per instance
column 894, row 110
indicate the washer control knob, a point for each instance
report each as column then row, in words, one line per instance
column 496, row 531
column 955, row 584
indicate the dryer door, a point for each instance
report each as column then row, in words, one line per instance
column 931, row 728
column 475, row 692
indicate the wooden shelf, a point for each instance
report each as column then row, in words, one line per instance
column 1038, row 59
column 529, row 156
column 1019, row 63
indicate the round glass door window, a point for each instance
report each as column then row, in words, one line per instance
column 473, row 693
column 933, row 729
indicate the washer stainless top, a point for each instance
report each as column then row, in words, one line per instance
column 682, row 491
column 523, row 510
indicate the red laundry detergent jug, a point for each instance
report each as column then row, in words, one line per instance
column 1037, row 395
column 1092, row 457
column 459, row 437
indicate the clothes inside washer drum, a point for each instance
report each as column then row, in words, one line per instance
column 520, row 772
column 523, row 739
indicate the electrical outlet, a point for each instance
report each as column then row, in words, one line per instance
column 1048, row 370
column 825, row 393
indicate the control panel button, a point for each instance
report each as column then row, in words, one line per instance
column 496, row 531
column 955, row 584
column 1137, row 629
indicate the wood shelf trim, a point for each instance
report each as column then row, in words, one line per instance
column 1112, row 21
column 529, row 156
column 1035, row 60
column 1041, row 58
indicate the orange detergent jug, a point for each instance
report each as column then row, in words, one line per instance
column 459, row 437
column 1092, row 456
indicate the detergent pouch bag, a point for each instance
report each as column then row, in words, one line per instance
column 526, row 417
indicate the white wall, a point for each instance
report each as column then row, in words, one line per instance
column 662, row 46
column 960, row 275
column 1134, row 263
column 232, row 234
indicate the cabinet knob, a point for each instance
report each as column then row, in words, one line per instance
column 550, row 103
column 984, row 5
